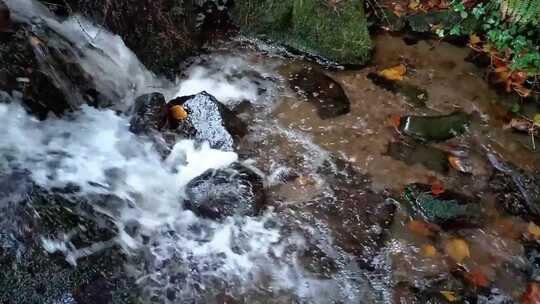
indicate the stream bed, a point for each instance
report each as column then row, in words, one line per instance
column 332, row 186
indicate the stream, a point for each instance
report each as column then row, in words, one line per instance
column 333, row 227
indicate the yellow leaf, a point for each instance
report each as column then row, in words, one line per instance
column 449, row 295
column 178, row 112
column 536, row 120
column 394, row 73
column 414, row 5
column 429, row 251
column 474, row 39
column 534, row 230
column 457, row 249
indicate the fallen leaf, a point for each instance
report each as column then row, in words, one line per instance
column 421, row 228
column 474, row 39
column 394, row 73
column 429, row 251
column 449, row 295
column 437, row 188
column 534, row 230
column 394, row 121
column 477, row 278
column 178, row 112
column 532, row 294
column 460, row 164
column 414, row 5
column 458, row 250
column 536, row 120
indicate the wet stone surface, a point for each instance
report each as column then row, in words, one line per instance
column 235, row 190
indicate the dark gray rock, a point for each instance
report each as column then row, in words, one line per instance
column 235, row 190
column 518, row 191
column 149, row 113
column 319, row 89
column 208, row 120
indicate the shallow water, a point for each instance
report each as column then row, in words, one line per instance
column 331, row 232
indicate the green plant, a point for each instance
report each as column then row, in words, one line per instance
column 509, row 26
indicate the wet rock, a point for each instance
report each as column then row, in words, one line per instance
column 5, row 20
column 532, row 254
column 518, row 191
column 149, row 113
column 414, row 96
column 208, row 120
column 319, row 89
column 414, row 153
column 448, row 209
column 20, row 72
column 423, row 22
column 335, row 30
column 356, row 216
column 435, row 128
column 235, row 190
column 32, row 275
column 161, row 32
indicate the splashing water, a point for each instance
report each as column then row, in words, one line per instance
column 242, row 254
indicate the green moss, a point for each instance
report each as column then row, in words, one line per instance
column 336, row 32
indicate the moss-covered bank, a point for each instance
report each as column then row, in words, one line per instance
column 335, row 30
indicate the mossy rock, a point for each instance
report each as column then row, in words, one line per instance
column 337, row 32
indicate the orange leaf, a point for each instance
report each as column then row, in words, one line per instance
column 457, row 249
column 178, row 112
column 394, row 73
column 532, row 295
column 534, row 231
column 477, row 278
column 421, row 228
column 394, row 121
column 437, row 188
column 429, row 251
column 459, row 164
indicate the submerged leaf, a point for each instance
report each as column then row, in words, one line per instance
column 458, row 250
column 534, row 230
column 421, row 228
column 532, row 295
column 449, row 295
column 477, row 278
column 394, row 73
column 429, row 251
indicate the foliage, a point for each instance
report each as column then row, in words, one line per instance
column 508, row 26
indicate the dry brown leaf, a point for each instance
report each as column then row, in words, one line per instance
column 178, row 112
column 458, row 250
column 394, row 73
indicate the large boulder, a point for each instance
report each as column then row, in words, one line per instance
column 235, row 190
column 335, row 30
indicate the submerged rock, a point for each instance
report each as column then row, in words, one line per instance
column 335, row 30
column 356, row 217
column 435, row 128
column 235, row 190
column 208, row 120
column 448, row 209
column 319, row 89
column 414, row 96
column 518, row 191
column 415, row 153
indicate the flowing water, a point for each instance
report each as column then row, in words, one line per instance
column 322, row 238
